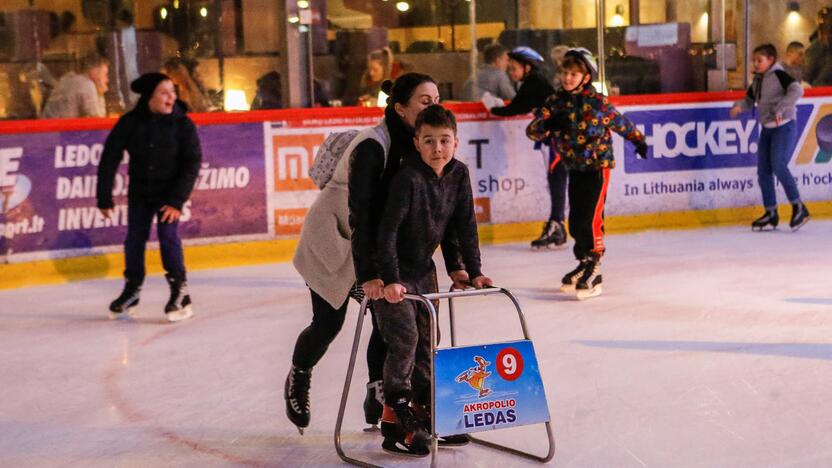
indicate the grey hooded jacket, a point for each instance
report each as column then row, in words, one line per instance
column 771, row 93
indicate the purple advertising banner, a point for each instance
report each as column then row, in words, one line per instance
column 47, row 190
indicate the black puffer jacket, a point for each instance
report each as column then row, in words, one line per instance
column 534, row 90
column 423, row 210
column 164, row 156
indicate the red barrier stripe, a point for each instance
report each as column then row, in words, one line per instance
column 326, row 113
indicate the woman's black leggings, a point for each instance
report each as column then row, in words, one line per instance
column 327, row 321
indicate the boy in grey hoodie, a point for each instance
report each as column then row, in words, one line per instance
column 772, row 97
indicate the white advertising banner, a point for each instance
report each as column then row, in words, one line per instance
column 699, row 158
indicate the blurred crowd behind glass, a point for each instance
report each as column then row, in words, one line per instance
column 76, row 58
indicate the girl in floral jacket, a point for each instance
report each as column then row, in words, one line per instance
column 579, row 120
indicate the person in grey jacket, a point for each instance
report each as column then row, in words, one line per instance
column 430, row 200
column 772, row 97
column 492, row 76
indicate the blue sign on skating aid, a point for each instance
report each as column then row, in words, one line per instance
column 486, row 387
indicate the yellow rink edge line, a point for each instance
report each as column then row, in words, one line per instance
column 199, row 257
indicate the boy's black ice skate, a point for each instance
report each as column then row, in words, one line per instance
column 179, row 305
column 296, row 393
column 553, row 236
column 373, row 405
column 766, row 222
column 800, row 216
column 128, row 299
column 455, row 440
column 403, row 432
column 570, row 280
column 589, row 285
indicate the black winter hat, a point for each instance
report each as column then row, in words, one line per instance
column 146, row 84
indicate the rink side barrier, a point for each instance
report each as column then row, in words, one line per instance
column 253, row 191
column 200, row 257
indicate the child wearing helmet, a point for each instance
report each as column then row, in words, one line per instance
column 524, row 67
column 578, row 120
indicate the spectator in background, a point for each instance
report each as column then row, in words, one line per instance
column 80, row 94
column 491, row 77
column 268, row 95
column 818, row 69
column 556, row 55
column 187, row 87
column 380, row 66
column 793, row 61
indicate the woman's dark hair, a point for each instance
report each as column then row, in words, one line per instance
column 402, row 89
column 767, row 50
column 436, row 116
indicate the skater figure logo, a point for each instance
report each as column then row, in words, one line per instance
column 475, row 376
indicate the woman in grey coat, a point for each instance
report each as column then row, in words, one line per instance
column 336, row 255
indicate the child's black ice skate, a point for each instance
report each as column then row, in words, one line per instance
column 766, row 222
column 800, row 216
column 373, row 405
column 296, row 393
column 570, row 280
column 403, row 432
column 454, row 440
column 553, row 236
column 128, row 299
column 589, row 285
column 178, row 307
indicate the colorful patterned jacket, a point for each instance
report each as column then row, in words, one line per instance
column 579, row 125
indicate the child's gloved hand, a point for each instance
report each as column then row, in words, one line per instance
column 641, row 150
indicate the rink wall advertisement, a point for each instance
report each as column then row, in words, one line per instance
column 48, row 183
column 254, row 181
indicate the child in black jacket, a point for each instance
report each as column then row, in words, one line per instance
column 525, row 67
column 430, row 197
column 165, row 157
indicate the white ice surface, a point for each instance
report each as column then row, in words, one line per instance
column 709, row 348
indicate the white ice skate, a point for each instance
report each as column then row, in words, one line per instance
column 590, row 283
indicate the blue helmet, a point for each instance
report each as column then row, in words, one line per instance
column 526, row 55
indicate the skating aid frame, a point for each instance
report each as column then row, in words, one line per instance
column 434, row 333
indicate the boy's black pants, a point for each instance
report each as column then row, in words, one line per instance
column 587, row 195
column 405, row 327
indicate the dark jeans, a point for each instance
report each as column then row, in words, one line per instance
column 140, row 214
column 587, row 195
column 557, row 175
column 327, row 321
column 773, row 154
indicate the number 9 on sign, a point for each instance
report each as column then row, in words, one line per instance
column 509, row 364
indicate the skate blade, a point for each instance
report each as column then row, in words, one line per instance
column 127, row 314
column 588, row 293
column 300, row 429
column 795, row 228
column 372, row 428
column 764, row 229
column 567, row 288
column 179, row 316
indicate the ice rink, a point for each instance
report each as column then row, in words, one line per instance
column 709, row 348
